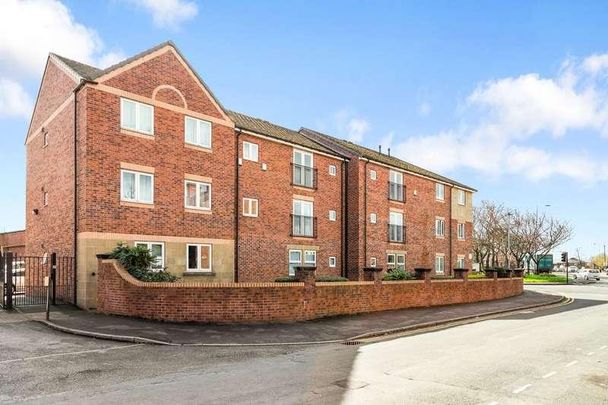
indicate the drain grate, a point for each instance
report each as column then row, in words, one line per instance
column 351, row 342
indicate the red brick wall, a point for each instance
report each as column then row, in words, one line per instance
column 263, row 241
column 118, row 293
column 13, row 242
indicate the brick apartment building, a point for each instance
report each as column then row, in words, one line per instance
column 13, row 242
column 143, row 152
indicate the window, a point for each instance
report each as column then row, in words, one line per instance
column 197, row 195
column 462, row 197
column 332, row 261
column 373, row 218
column 390, row 260
column 395, row 227
column 198, row 132
column 439, row 264
column 439, row 191
column 303, row 222
column 395, row 186
column 157, row 250
column 136, row 187
column 310, row 258
column 401, row 261
column 332, row 170
column 250, row 151
column 373, row 175
column 461, row 231
column 136, row 116
column 295, row 259
column 250, row 207
column 303, row 172
column 200, row 257
column 45, row 139
column 332, row 215
column 439, row 227
column 45, row 198
column 460, row 262
column 372, row 262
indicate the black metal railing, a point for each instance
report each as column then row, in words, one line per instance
column 303, row 225
column 396, row 233
column 303, row 176
column 396, row 191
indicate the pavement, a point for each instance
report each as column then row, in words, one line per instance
column 327, row 330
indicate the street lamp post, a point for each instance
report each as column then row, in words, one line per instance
column 509, row 240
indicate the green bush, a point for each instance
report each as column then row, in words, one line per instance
column 285, row 279
column 137, row 261
column 442, row 277
column 477, row 274
column 322, row 278
column 398, row 274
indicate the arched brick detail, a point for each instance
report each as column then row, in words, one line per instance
column 169, row 94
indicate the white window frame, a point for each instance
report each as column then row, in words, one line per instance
column 312, row 263
column 373, row 262
column 162, row 252
column 439, row 227
column 198, row 268
column 45, row 139
column 333, row 215
column 397, row 256
column 373, row 218
column 303, row 203
column 373, row 175
column 198, row 135
column 333, row 170
column 45, row 198
column 460, row 262
column 391, row 263
column 396, row 177
column 304, row 153
column 440, row 191
column 461, row 231
column 290, row 262
column 439, row 264
column 250, row 203
column 248, row 149
column 138, row 127
column 198, row 185
column 137, row 190
column 462, row 197
column 332, row 261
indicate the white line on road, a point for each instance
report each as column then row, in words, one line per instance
column 551, row 374
column 572, row 363
column 69, row 353
column 522, row 389
column 590, row 353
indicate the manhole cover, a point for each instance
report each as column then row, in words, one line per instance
column 350, row 384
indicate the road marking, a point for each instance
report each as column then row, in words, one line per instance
column 572, row 363
column 522, row 389
column 69, row 353
column 551, row 374
column 603, row 347
column 590, row 353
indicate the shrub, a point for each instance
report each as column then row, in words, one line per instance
column 285, row 279
column 398, row 274
column 477, row 274
column 137, row 261
column 442, row 277
column 322, row 278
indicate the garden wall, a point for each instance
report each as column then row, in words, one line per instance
column 120, row 294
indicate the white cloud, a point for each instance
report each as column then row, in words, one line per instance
column 29, row 30
column 503, row 120
column 350, row 126
column 357, row 127
column 168, row 13
column 424, row 109
column 109, row 59
column 14, row 100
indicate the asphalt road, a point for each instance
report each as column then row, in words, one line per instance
column 557, row 356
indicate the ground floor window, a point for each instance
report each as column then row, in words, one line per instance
column 401, row 261
column 440, row 264
column 199, row 257
column 395, row 260
column 157, row 250
column 460, row 262
column 373, row 262
column 332, row 261
column 295, row 260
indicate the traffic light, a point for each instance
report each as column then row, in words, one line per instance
column 565, row 257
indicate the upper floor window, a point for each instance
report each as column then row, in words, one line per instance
column 45, row 138
column 303, row 172
column 332, row 215
column 395, row 186
column 373, row 175
column 460, row 231
column 439, row 191
column 197, row 195
column 332, row 170
column 439, row 227
column 302, row 218
column 250, row 207
column 250, row 151
column 373, row 218
column 45, row 198
column 136, row 187
column 198, row 132
column 395, row 227
column 462, row 197
column 157, row 251
column 136, row 116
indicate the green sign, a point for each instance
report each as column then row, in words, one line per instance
column 545, row 262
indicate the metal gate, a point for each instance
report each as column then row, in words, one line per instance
column 25, row 280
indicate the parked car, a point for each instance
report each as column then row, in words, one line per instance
column 583, row 275
column 595, row 273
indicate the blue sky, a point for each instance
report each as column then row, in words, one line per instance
column 509, row 97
